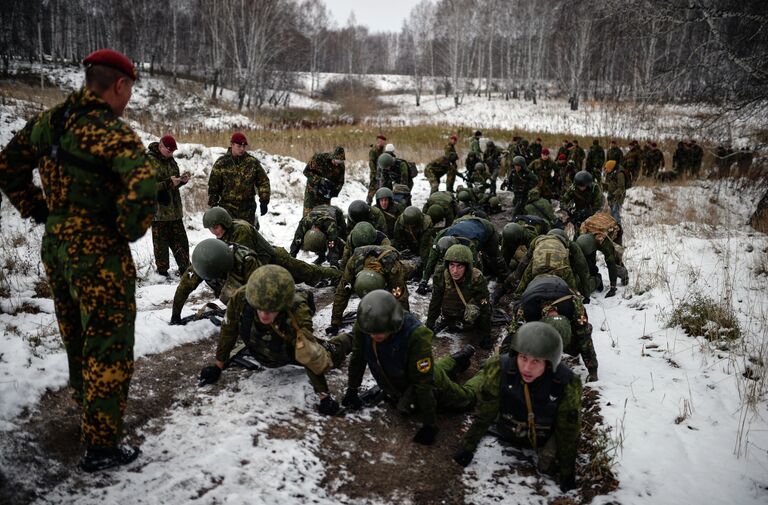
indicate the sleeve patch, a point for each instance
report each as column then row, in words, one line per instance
column 424, row 365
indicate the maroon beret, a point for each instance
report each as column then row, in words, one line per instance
column 238, row 138
column 113, row 59
column 169, row 142
column 381, row 136
column 561, row 156
column 538, row 139
column 454, row 137
column 545, row 151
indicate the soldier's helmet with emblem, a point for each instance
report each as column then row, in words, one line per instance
column 314, row 241
column 587, row 243
column 359, row 211
column 539, row 340
column 444, row 243
column 385, row 160
column 217, row 215
column 368, row 280
column 436, row 212
column 362, row 234
column 582, row 178
column 380, row 312
column 412, row 216
column 459, row 253
column 384, row 193
column 270, row 288
column 512, row 233
column 212, row 259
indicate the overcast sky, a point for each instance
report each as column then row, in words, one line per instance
column 377, row 15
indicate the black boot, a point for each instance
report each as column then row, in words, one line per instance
column 463, row 358
column 101, row 458
column 599, row 287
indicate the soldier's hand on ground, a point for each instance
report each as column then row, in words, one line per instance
column 332, row 330
column 264, row 207
column 352, row 400
column 463, row 457
column 567, row 482
column 611, row 292
column 329, row 406
column 426, row 435
column 423, row 288
column 175, row 319
column 209, row 375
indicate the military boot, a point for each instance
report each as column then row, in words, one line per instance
column 599, row 286
column 463, row 359
column 623, row 274
column 101, row 458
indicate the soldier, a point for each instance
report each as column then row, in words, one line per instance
column 586, row 197
column 167, row 226
column 460, row 296
column 475, row 154
column 654, row 161
column 534, row 400
column 599, row 234
column 391, row 171
column 538, row 206
column 616, row 187
column 444, row 165
column 441, row 206
column 547, row 173
column 577, row 155
column 321, row 233
column 390, row 274
column 325, row 178
column 414, row 232
column 376, row 151
column 547, row 254
column 579, row 265
column 632, row 161
column 402, row 194
column 361, row 235
column 97, row 195
column 492, row 160
column 385, row 202
column 536, row 149
column 275, row 323
column 564, row 149
column 235, row 179
column 595, row 159
column 615, row 153
column 398, row 350
column 515, row 239
column 520, row 181
column 360, row 211
column 523, row 149
column 696, row 156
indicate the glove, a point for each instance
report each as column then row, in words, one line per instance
column 40, row 214
column 567, row 482
column 585, row 301
column 352, row 400
column 175, row 319
column 423, row 288
column 463, row 457
column 263, row 206
column 425, row 435
column 611, row 292
column 209, row 375
column 332, row 330
column 329, row 406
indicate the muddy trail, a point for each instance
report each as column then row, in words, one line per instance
column 366, row 458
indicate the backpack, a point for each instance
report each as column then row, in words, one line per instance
column 412, row 170
column 601, row 225
column 549, row 255
column 544, row 290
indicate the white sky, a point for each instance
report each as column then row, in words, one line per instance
column 377, row 15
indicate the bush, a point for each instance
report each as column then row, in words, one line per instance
column 702, row 316
column 345, row 88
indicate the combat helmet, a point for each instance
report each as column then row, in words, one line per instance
column 444, row 243
column 539, row 340
column 560, row 233
column 479, row 166
column 385, row 160
column 518, row 160
column 588, row 243
column 494, row 203
column 217, row 215
column 512, row 233
column 436, row 212
column 380, row 312
column 212, row 259
column 384, row 193
column 270, row 288
column 412, row 216
column 368, row 280
column 314, row 241
column 582, row 178
column 464, row 196
column 362, row 234
column 459, row 253
column 359, row 211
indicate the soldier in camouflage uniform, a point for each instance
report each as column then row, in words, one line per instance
column 441, row 206
column 577, row 155
column 235, row 180
column 397, row 349
column 654, row 161
column 536, row 148
column 564, row 148
column 492, row 160
column 275, row 323
column 97, row 195
column 552, row 257
column 585, row 196
column 167, row 225
column 321, row 231
column 385, row 261
column 615, row 153
column 460, row 296
column 547, row 172
column 362, row 234
column 595, row 159
column 325, row 178
column 391, row 171
column 377, row 150
column 414, row 232
column 538, row 206
column 444, row 165
column 475, row 154
column 633, row 160
column 605, row 239
column 533, row 399
column 616, row 187
column 515, row 240
column 520, row 181
column 385, row 202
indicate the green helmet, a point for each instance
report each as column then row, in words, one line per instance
column 314, row 241
column 445, row 243
column 386, row 160
column 479, row 166
column 270, row 288
column 494, row 203
column 367, row 281
column 436, row 212
column 562, row 325
column 539, row 340
column 412, row 216
column 362, row 234
column 518, row 160
column 384, row 193
column 560, row 233
column 464, row 196
column 512, row 233
column 212, row 259
column 380, row 312
column 458, row 253
column 359, row 211
column 582, row 178
column 587, row 243
column 217, row 215
column 534, row 195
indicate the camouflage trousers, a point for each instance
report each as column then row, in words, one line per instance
column 312, row 200
column 435, row 172
column 246, row 213
column 93, row 295
column 170, row 235
column 305, row 272
column 448, row 393
column 583, row 345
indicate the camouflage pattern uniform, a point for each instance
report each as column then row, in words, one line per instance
column 612, row 261
column 167, row 225
column 654, row 162
column 383, row 259
column 447, row 303
column 535, row 149
column 381, row 239
column 234, row 183
column 98, row 197
column 492, row 160
column 595, row 159
column 616, row 187
column 328, row 219
column 514, row 253
column 445, row 164
column 547, row 172
column 390, row 215
column 519, row 183
column 445, row 200
column 538, row 206
column 474, row 156
column 373, row 183
column 577, row 155
column 580, row 269
column 585, row 202
column 417, row 239
column 528, row 267
column 321, row 171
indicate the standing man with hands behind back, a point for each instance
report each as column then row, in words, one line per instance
column 98, row 194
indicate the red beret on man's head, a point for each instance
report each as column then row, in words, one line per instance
column 169, row 142
column 381, row 136
column 112, row 59
column 561, row 156
column 545, row 152
column 454, row 137
column 238, row 138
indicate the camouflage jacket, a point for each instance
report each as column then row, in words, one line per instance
column 580, row 327
column 521, row 182
column 654, row 159
column 590, row 200
column 390, row 216
column 234, row 182
column 322, row 217
column 417, row 239
column 577, row 154
column 595, row 158
column 321, row 166
column 567, row 423
column 548, row 174
column 446, row 301
column 579, row 267
column 474, row 146
column 633, row 160
column 273, row 344
column 373, row 159
column 540, row 207
column 381, row 239
column 492, row 157
column 616, row 186
column 164, row 169
column 100, row 194
column 449, row 151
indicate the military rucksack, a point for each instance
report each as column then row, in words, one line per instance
column 412, row 170
column 601, row 225
column 546, row 290
column 549, row 255
column 377, row 258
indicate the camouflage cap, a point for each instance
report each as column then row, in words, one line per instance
column 270, row 288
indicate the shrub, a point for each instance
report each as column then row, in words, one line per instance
column 702, row 316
